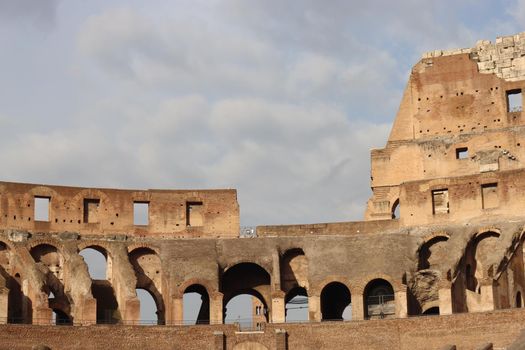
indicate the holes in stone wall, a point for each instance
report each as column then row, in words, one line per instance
column 141, row 213
column 462, row 153
column 194, row 213
column 440, row 201
column 514, row 100
column 489, row 196
column 91, row 207
column 41, row 206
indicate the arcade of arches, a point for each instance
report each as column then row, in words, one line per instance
column 49, row 281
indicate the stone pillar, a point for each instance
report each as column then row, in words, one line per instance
column 42, row 315
column 445, row 301
column 280, row 339
column 177, row 310
column 278, row 307
column 219, row 340
column 487, row 297
column 216, row 308
column 358, row 307
column 88, row 314
column 4, row 300
column 131, row 314
column 276, row 271
column 401, row 303
column 314, row 308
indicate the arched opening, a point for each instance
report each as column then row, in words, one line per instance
column 147, row 266
column 196, row 305
column 248, row 309
column 50, row 257
column 248, row 279
column 432, row 252
column 60, row 318
column 432, row 311
column 519, row 301
column 96, row 259
column 396, row 210
column 98, row 262
column 296, row 305
column 294, row 270
column 19, row 307
column 336, row 302
column 379, row 299
column 148, row 308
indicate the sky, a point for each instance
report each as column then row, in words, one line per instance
column 282, row 100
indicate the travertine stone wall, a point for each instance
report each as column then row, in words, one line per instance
column 505, row 57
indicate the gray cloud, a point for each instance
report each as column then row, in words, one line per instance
column 41, row 13
column 282, row 100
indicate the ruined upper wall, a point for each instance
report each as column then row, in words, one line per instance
column 460, row 115
column 505, row 57
column 164, row 213
column 462, row 91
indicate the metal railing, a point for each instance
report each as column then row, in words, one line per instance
column 248, row 232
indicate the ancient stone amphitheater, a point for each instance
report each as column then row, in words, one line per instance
column 438, row 262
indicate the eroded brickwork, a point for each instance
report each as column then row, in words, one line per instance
column 443, row 235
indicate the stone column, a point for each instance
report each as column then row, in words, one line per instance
column 177, row 310
column 401, row 303
column 216, row 308
column 358, row 308
column 42, row 315
column 280, row 339
column 314, row 308
column 88, row 313
column 445, row 301
column 487, row 297
column 278, row 307
column 4, row 300
column 218, row 338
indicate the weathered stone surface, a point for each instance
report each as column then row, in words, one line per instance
column 443, row 234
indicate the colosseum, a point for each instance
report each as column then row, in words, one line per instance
column 437, row 263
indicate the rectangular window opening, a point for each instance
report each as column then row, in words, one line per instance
column 91, row 210
column 440, row 201
column 140, row 213
column 489, row 196
column 462, row 153
column 514, row 100
column 41, row 206
column 194, row 214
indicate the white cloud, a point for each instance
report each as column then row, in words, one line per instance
column 282, row 100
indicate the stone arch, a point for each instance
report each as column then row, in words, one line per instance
column 430, row 253
column 395, row 209
column 294, row 269
column 148, row 270
column 203, row 314
column 316, row 288
column 51, row 262
column 247, row 278
column 335, row 298
column 265, row 265
column 107, row 309
column 151, row 247
column 105, row 202
column 397, row 285
column 50, row 256
column 207, row 284
column 103, row 249
column 294, row 301
column 379, row 299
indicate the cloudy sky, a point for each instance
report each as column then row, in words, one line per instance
column 280, row 99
